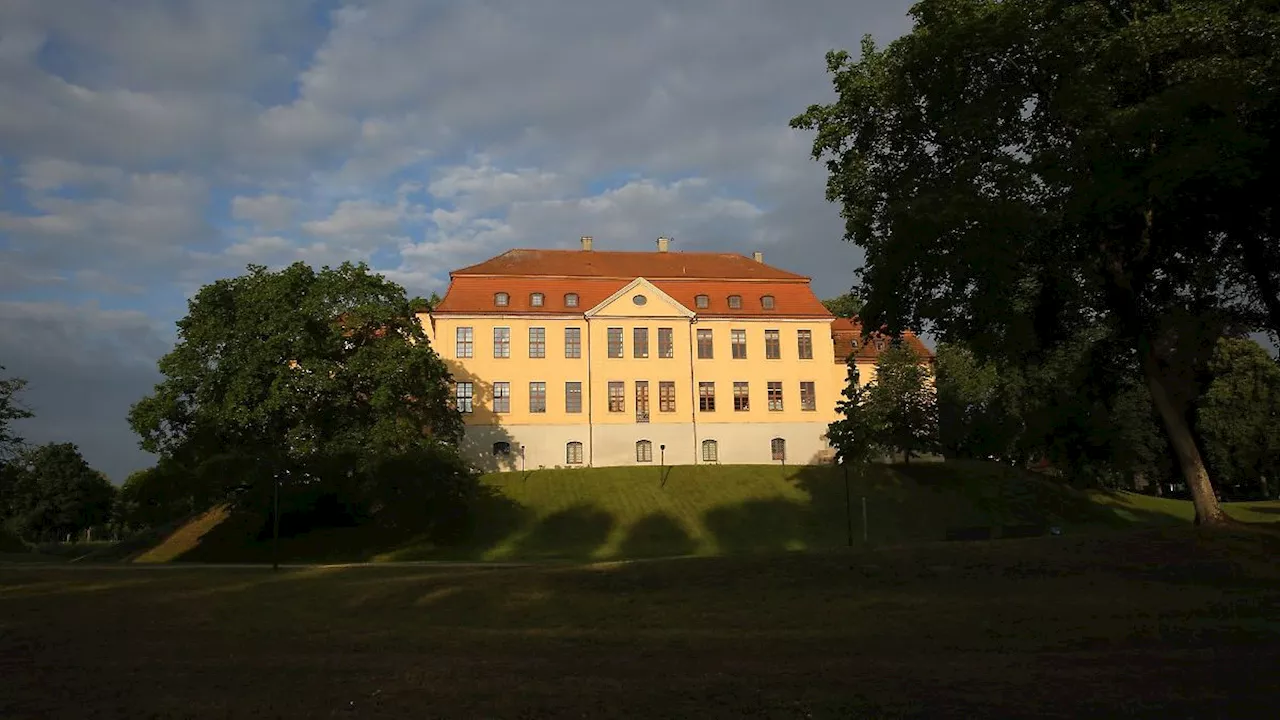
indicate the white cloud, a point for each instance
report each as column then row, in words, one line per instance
column 266, row 212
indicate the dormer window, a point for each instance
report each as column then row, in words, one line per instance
column 571, row 300
column 702, row 302
column 735, row 302
column 501, row 299
column 535, row 300
column 766, row 302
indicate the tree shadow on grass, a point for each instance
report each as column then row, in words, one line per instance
column 574, row 532
column 757, row 526
column 657, row 535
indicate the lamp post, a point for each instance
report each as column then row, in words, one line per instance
column 522, row 458
column 662, row 450
column 275, row 521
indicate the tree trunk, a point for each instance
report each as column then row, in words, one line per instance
column 1208, row 511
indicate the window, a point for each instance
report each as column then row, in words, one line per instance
column 704, row 345
column 535, row 300
column 707, row 396
column 766, row 302
column 702, row 302
column 502, row 342
column 735, row 302
column 640, row 342
column 639, row 300
column 772, row 345
column 571, row 299
column 573, row 397
column 617, row 397
column 804, row 344
column 666, row 396
column 666, row 344
column 642, row 401
column 741, row 397
column 644, row 451
column 573, row 453
column 537, row 342
column 537, row 397
column 501, row 299
column 775, row 396
column 738, row 344
column 808, row 397
column 710, row 453
column 502, row 397
column 502, row 448
column 466, row 344
column 463, row 394
column 573, row 342
column 778, row 447
column 615, row 342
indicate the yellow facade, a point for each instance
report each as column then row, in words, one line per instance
column 608, row 431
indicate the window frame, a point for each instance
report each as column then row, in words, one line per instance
column 714, row 447
column 744, row 396
column 612, row 334
column 710, row 344
column 804, row 344
column 535, row 409
column 644, row 451
column 502, row 447
column 505, row 396
column 666, row 343
column 573, row 343
column 778, row 449
column 501, row 299
column 573, row 453
column 639, row 343
column 735, row 302
column 502, row 340
column 464, row 349
column 571, row 300
column 538, row 347
column 537, row 300
column 706, row 396
column 573, row 389
column 464, row 402
column 774, row 396
column 617, row 401
column 666, row 396
column 812, row 400
column 738, row 344
column 768, row 302
column 702, row 302
column 772, row 344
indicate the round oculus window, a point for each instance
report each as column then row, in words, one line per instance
column 639, row 299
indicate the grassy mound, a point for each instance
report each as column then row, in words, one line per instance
column 616, row 513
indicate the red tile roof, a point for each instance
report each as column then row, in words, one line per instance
column 847, row 335
column 628, row 265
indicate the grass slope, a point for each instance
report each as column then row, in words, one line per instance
column 1158, row 623
column 612, row 513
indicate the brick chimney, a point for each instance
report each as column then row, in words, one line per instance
column 586, row 242
column 758, row 257
column 664, row 244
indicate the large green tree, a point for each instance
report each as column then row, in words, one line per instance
column 304, row 377
column 57, row 493
column 1239, row 415
column 1016, row 170
column 847, row 305
column 904, row 403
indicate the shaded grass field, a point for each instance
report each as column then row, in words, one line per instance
column 613, row 513
column 1166, row 622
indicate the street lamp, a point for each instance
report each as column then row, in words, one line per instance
column 662, row 450
column 521, row 458
column 275, row 522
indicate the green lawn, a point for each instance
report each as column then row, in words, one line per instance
column 1165, row 622
column 613, row 513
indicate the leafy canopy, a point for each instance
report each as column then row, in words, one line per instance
column 57, row 493
column 297, row 370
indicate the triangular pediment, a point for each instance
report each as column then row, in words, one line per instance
column 652, row 302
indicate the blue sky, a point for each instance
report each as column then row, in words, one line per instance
column 147, row 148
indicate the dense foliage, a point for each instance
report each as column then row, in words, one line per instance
column 1018, row 171
column 896, row 413
column 847, row 305
column 1239, row 417
column 55, row 494
column 322, row 381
